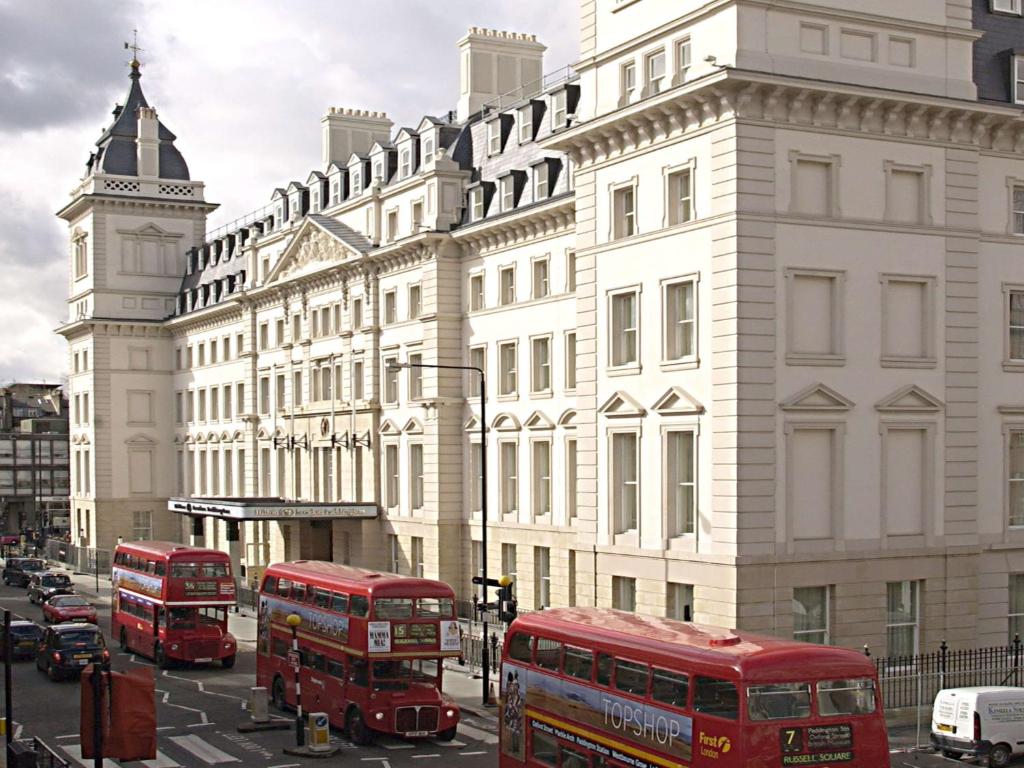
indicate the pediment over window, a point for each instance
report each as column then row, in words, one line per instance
column 320, row 243
column 200, row 438
column 568, row 419
column 151, row 230
column 213, row 437
column 538, row 420
column 140, row 439
column 388, row 427
column 238, row 436
column 621, row 405
column 189, row 440
column 817, row 397
column 677, row 402
column 910, row 399
column 472, row 424
column 413, row 427
column 506, row 422
column 80, row 440
column 177, row 440
column 225, row 437
column 262, row 434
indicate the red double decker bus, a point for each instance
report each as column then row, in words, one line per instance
column 371, row 647
column 594, row 688
column 170, row 602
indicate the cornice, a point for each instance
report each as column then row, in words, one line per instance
column 558, row 215
column 72, row 209
column 112, row 326
column 789, row 101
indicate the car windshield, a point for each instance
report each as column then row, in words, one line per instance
column 25, row 630
column 82, row 638
column 55, row 580
column 70, row 602
column 32, row 565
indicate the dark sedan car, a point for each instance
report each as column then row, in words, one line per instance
column 44, row 585
column 69, row 608
column 67, row 648
column 17, row 570
column 25, row 637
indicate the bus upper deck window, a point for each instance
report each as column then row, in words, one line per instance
column 215, row 570
column 716, row 697
column 359, row 605
column 322, row 598
column 339, row 602
column 392, row 608
column 270, row 585
column 284, row 588
column 846, row 697
column 184, row 570
column 579, row 663
column 161, row 569
column 604, row 669
column 519, row 647
column 779, row 701
column 631, row 677
column 549, row 653
column 670, row 687
column 299, row 592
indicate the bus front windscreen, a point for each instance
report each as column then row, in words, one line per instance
column 397, row 675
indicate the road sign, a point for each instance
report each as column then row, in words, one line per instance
column 294, row 660
column 489, row 582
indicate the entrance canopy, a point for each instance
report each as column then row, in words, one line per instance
column 271, row 508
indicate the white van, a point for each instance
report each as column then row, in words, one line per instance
column 984, row 722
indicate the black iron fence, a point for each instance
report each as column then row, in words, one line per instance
column 912, row 681
column 80, row 559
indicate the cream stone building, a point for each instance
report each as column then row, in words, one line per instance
column 746, row 284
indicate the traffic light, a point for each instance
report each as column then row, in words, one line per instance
column 507, row 607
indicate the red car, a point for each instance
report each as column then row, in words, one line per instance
column 63, row 608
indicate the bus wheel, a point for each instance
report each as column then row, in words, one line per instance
column 160, row 657
column 999, row 757
column 448, row 734
column 228, row 661
column 357, row 728
column 277, row 694
column 124, row 640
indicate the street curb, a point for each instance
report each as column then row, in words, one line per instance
column 307, row 752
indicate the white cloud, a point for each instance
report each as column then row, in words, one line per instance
column 243, row 85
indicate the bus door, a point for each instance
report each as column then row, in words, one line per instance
column 334, row 687
column 159, row 621
column 313, row 676
column 357, row 686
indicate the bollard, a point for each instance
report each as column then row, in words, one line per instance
column 319, row 732
column 258, row 707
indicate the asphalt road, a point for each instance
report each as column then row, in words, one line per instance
column 198, row 711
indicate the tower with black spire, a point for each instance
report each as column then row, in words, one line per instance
column 131, row 220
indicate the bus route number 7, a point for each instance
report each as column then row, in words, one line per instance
column 792, row 739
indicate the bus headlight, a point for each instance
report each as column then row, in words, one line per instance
column 379, row 715
column 174, row 647
column 449, row 713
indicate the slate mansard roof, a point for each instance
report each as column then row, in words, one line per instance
column 116, row 151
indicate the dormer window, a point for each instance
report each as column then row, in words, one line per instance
column 280, row 214
column 494, row 137
column 1007, row 6
column 525, row 120
column 357, row 182
column 428, row 149
column 476, row 201
column 508, row 193
column 406, row 165
column 315, row 200
column 378, row 171
column 654, row 66
column 540, row 181
column 628, row 80
column 558, row 110
column 1017, row 77
column 335, row 192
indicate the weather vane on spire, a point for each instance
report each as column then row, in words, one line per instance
column 134, row 48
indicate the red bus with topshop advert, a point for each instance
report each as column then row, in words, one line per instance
column 597, row 688
column 170, row 602
column 371, row 647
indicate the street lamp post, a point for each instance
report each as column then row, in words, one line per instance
column 485, row 664
column 294, row 620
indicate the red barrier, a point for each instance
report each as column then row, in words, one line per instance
column 129, row 721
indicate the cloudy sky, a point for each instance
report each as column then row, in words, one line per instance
column 242, row 83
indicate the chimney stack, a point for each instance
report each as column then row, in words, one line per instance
column 149, row 142
column 351, row 130
column 494, row 63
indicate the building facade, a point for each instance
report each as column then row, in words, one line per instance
column 744, row 284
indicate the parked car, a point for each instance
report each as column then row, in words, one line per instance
column 25, row 636
column 69, row 608
column 980, row 722
column 17, row 570
column 66, row 648
column 45, row 584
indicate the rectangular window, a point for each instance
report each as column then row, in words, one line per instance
column 628, row 80
column 540, row 369
column 1016, row 325
column 571, row 468
column 1015, row 476
column 478, row 360
column 906, row 321
column 357, row 314
column 390, row 381
column 570, row 272
column 679, row 603
column 541, row 286
column 680, row 321
column 202, row 353
column 297, row 388
column 541, row 466
column 494, row 137
column 476, row 199
column 415, row 377
column 570, row 361
column 811, row 614
column 525, row 122
column 357, row 380
column 680, row 196
column 213, row 351
column 476, row 477
column 202, row 405
column 507, row 381
column 1016, row 607
column 416, row 556
column 417, row 216
column 427, row 148
column 416, row 476
column 476, row 292
column 142, row 525
column 813, row 186
column 682, row 53
column 264, row 340
column 625, row 481
column 508, row 193
column 1017, row 210
column 559, row 114
column 680, row 482
column 814, row 333
column 907, row 198
column 214, row 405
column 279, row 339
column 1007, row 6
column 540, row 182
column 1017, row 62
column 508, row 459
column 179, row 407
column 279, row 398
column 507, row 285
column 406, row 163
column 239, row 345
column 542, row 570
column 623, row 593
column 391, row 475
column 226, row 398
column 509, row 564
column 392, row 225
column 654, row 69
column 415, row 302
column 624, row 341
column 903, row 618
column 390, row 307
column 624, row 212
column 240, row 397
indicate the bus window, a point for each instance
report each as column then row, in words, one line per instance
column 669, row 687
column 544, row 749
column 339, row 602
column 519, row 647
column 631, row 677
column 316, row 661
column 779, row 701
column 215, row 570
column 322, row 598
column 359, row 605
column 434, row 608
column 358, row 672
column 393, row 608
column 212, row 615
column 150, row 566
column 161, row 569
column 184, row 570
column 579, row 663
column 549, row 654
column 279, row 648
column 270, row 585
column 572, row 758
column 336, row 669
column 846, row 697
column 284, row 588
column 298, row 592
column 604, row 669
column 716, row 697
column 181, row 618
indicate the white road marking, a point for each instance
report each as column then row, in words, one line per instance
column 387, row 763
column 205, row 752
column 166, row 727
column 202, row 688
column 477, row 735
column 17, row 731
column 467, row 754
column 68, row 736
column 389, row 744
column 75, row 752
column 161, row 761
column 286, row 765
column 452, row 743
column 419, row 757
